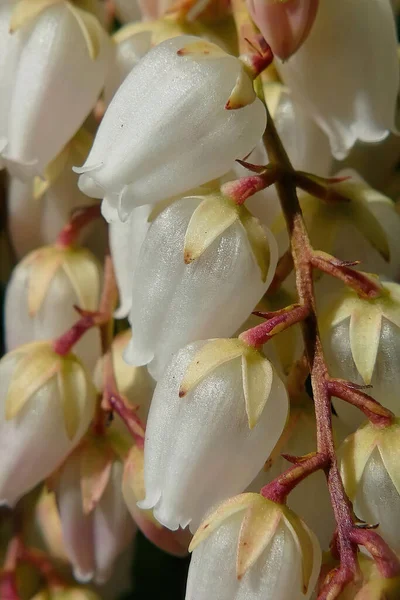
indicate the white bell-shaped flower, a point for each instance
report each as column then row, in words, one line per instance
column 134, row 383
column 346, row 74
column 361, row 340
column 47, row 403
column 253, row 549
column 42, row 293
column 369, row 467
column 147, row 149
column 310, row 499
column 40, row 208
column 56, row 80
column 126, row 239
column 216, row 414
column 196, row 255
column 94, row 535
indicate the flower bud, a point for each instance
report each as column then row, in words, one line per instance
column 253, row 548
column 216, row 414
column 173, row 542
column 40, row 208
column 359, row 101
column 372, row 585
column 369, row 460
column 44, row 108
column 126, row 241
column 198, row 252
column 127, row 169
column 133, row 383
column 41, row 295
column 310, row 499
column 47, row 403
column 361, row 339
column 285, row 25
column 95, row 522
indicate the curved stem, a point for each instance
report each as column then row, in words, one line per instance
column 302, row 253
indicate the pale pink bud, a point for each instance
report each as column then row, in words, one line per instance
column 285, row 24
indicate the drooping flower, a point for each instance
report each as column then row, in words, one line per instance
column 42, row 293
column 197, row 253
column 57, row 75
column 251, row 548
column 133, row 490
column 47, row 403
column 285, row 25
column 147, row 150
column 346, row 74
column 369, row 467
column 361, row 340
column 216, row 414
column 95, row 521
column 40, row 208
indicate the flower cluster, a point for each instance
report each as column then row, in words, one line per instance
column 188, row 253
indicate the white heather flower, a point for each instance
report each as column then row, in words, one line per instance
column 346, row 74
column 370, row 470
column 46, row 405
column 37, row 210
column 253, row 549
column 216, row 414
column 126, row 239
column 56, row 79
column 133, row 490
column 196, row 256
column 134, row 383
column 168, row 128
column 361, row 340
column 310, row 499
column 129, row 10
column 94, row 534
column 42, row 292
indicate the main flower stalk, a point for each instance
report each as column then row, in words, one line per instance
column 304, row 263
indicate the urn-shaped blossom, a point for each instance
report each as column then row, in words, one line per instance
column 133, row 490
column 42, row 293
column 216, row 414
column 56, row 78
column 126, row 239
column 362, row 344
column 346, row 73
column 370, row 470
column 285, row 25
column 38, row 209
column 147, row 149
column 47, row 403
column 95, row 521
column 250, row 548
column 197, row 253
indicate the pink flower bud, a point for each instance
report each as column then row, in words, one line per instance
column 285, row 24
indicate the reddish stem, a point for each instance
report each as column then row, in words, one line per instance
column 129, row 416
column 386, row 560
column 245, row 187
column 8, row 586
column 375, row 412
column 277, row 322
column 80, row 219
column 278, row 489
column 321, row 188
column 44, row 565
column 364, row 286
column 302, row 253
